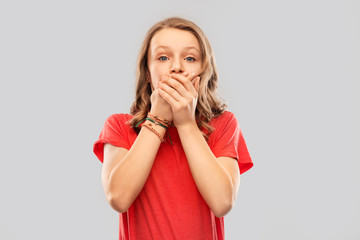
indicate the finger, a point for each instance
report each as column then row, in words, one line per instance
column 169, row 99
column 176, row 85
column 186, row 81
column 170, row 91
column 197, row 84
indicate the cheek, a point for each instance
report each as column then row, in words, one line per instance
column 193, row 68
column 156, row 74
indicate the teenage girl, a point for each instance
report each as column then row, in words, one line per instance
column 172, row 167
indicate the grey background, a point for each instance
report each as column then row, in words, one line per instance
column 289, row 70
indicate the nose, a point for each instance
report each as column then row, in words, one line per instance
column 176, row 67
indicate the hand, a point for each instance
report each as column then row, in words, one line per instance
column 181, row 93
column 159, row 106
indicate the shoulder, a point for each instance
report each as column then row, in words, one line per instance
column 224, row 125
column 118, row 122
column 119, row 118
column 224, row 119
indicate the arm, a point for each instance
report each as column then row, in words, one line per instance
column 217, row 179
column 125, row 172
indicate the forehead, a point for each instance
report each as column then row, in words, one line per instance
column 175, row 39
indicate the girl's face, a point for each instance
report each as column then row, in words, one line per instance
column 173, row 51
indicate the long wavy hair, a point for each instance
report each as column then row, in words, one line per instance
column 209, row 103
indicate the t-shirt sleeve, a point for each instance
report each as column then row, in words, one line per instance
column 113, row 132
column 229, row 142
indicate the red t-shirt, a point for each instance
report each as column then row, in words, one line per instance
column 170, row 206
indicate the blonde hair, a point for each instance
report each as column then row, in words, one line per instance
column 209, row 104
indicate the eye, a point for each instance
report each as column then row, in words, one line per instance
column 162, row 58
column 191, row 59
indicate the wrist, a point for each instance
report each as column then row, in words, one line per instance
column 187, row 127
column 162, row 115
column 158, row 128
column 155, row 129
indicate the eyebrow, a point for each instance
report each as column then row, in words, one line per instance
column 166, row 47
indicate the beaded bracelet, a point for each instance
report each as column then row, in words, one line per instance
column 162, row 123
column 149, row 126
column 156, row 122
column 167, row 123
